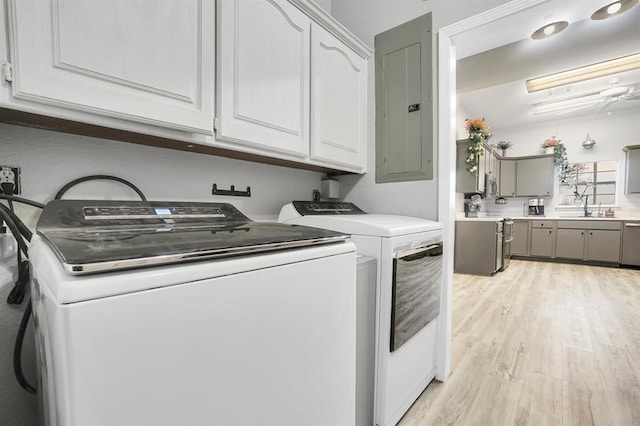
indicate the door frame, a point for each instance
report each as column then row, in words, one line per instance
column 446, row 136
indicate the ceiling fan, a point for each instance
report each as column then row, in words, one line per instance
column 603, row 99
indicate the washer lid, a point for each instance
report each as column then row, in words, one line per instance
column 376, row 225
column 95, row 236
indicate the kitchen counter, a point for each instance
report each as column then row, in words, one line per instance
column 479, row 219
column 567, row 218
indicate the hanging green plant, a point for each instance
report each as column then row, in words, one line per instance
column 478, row 132
column 560, row 160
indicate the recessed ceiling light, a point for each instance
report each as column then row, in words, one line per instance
column 613, row 9
column 549, row 30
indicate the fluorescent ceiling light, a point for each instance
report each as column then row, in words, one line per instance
column 580, row 102
column 613, row 9
column 588, row 72
column 549, row 30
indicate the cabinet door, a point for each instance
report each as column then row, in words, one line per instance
column 263, row 75
column 508, row 178
column 570, row 243
column 633, row 171
column 520, row 244
column 145, row 61
column 542, row 242
column 603, row 246
column 534, row 177
column 338, row 101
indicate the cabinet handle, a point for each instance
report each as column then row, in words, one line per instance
column 549, row 231
column 590, row 233
column 582, row 233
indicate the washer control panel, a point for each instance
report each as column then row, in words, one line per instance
column 143, row 212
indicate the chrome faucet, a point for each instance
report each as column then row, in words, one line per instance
column 586, row 207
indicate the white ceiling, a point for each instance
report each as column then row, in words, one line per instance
column 491, row 83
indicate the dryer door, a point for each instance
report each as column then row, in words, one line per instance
column 417, row 283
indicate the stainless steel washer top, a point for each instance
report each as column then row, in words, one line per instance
column 96, row 236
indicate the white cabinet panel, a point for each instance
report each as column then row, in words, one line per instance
column 140, row 60
column 338, row 101
column 263, row 75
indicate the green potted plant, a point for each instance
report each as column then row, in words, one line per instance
column 478, row 133
column 504, row 145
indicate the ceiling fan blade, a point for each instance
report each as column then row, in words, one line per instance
column 604, row 107
column 634, row 96
column 576, row 109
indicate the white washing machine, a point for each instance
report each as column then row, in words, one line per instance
column 153, row 313
column 409, row 285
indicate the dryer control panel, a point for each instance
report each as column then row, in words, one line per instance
column 306, row 208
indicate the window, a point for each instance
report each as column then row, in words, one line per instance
column 592, row 182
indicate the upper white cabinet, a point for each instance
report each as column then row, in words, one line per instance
column 263, row 74
column 288, row 86
column 145, row 61
column 338, row 101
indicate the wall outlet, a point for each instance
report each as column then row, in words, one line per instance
column 9, row 180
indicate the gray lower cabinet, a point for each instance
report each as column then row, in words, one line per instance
column 520, row 244
column 534, row 177
column 570, row 243
column 596, row 241
column 584, row 240
column 478, row 250
column 603, row 246
column 543, row 241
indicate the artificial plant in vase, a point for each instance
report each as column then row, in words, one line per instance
column 504, row 145
column 478, row 132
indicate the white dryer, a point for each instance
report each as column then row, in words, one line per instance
column 409, row 287
column 161, row 313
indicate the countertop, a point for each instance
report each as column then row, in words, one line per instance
column 480, row 219
column 569, row 218
column 499, row 218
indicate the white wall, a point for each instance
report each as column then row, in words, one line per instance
column 366, row 18
column 48, row 160
column 611, row 132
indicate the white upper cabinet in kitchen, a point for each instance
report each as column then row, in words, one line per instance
column 263, row 75
column 338, row 101
column 149, row 62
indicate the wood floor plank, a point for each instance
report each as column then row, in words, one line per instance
column 541, row 344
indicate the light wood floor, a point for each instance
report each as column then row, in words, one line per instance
column 540, row 344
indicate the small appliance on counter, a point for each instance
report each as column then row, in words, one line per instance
column 536, row 207
column 472, row 205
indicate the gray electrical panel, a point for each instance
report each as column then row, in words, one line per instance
column 404, row 102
